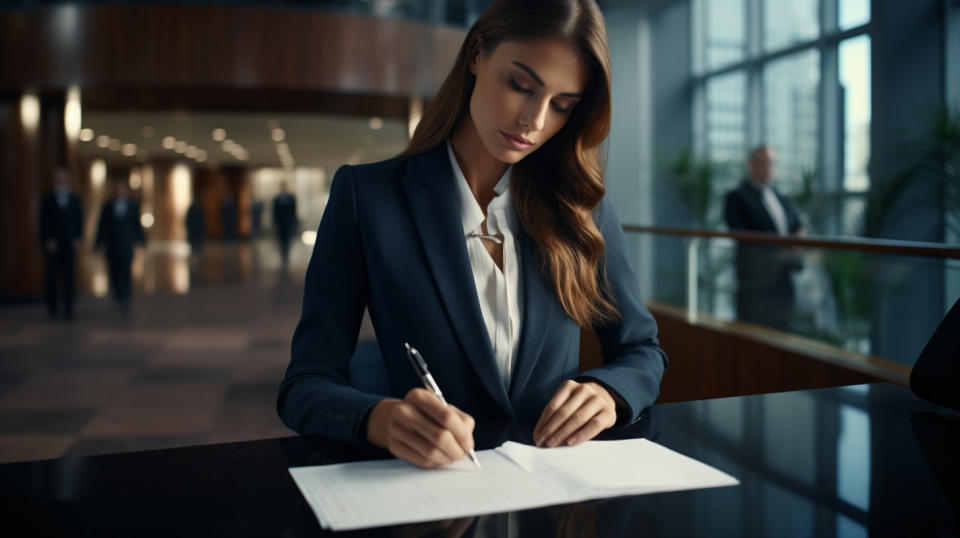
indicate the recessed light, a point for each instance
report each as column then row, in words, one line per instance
column 86, row 135
column 169, row 142
column 103, row 141
column 219, row 134
column 278, row 135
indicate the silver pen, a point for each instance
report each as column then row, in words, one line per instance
column 420, row 366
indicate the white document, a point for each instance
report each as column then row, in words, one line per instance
column 513, row 477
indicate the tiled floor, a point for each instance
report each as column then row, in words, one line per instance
column 182, row 369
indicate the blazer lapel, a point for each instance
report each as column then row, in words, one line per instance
column 431, row 192
column 537, row 311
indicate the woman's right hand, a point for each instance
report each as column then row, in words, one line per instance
column 420, row 429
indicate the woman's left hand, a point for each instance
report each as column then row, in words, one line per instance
column 576, row 413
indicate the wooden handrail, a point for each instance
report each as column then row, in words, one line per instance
column 885, row 246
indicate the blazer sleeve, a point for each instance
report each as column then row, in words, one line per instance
column 733, row 212
column 633, row 361
column 77, row 220
column 315, row 396
column 46, row 230
column 137, row 226
column 101, row 227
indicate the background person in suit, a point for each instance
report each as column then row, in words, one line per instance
column 228, row 217
column 196, row 227
column 284, row 220
column 61, row 235
column 486, row 245
column 765, row 293
column 118, row 231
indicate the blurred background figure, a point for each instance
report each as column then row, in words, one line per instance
column 195, row 227
column 118, row 230
column 61, row 233
column 284, row 220
column 256, row 216
column 765, row 293
column 228, row 217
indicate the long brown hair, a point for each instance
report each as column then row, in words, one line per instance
column 557, row 187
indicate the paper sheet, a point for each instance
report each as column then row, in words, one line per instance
column 513, row 477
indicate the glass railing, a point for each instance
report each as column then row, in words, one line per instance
column 877, row 298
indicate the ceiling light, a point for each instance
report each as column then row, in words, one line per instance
column 191, row 151
column 180, row 146
column 278, row 135
column 228, row 145
column 86, row 135
column 219, row 134
column 103, row 141
column 114, row 144
column 129, row 150
column 376, row 123
column 169, row 142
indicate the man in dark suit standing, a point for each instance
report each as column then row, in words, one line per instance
column 284, row 220
column 764, row 285
column 196, row 229
column 61, row 234
column 119, row 229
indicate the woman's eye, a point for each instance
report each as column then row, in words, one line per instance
column 518, row 87
column 559, row 108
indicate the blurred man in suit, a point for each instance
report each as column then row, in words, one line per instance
column 196, row 228
column 118, row 231
column 284, row 220
column 61, row 234
column 765, row 292
column 228, row 217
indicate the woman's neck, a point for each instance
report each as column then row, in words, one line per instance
column 481, row 170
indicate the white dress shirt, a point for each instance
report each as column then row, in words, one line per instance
column 120, row 208
column 499, row 291
column 774, row 208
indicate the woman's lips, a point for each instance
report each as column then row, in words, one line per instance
column 516, row 142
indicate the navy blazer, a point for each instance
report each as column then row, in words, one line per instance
column 744, row 210
column 119, row 235
column 61, row 225
column 391, row 240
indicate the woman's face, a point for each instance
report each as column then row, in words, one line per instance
column 524, row 93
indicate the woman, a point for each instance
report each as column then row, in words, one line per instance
column 486, row 245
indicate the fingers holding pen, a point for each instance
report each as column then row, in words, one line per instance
column 425, row 432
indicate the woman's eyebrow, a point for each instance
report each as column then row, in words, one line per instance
column 538, row 80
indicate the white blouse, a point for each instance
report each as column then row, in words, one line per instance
column 499, row 291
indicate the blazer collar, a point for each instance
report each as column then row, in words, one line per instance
column 431, row 192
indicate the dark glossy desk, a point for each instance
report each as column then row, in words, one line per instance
column 844, row 462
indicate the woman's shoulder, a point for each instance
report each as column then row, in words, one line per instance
column 385, row 170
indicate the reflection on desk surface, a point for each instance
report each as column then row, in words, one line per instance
column 842, row 462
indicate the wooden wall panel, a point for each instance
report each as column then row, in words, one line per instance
column 227, row 47
column 715, row 360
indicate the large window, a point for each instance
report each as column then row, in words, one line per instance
column 793, row 74
column 791, row 90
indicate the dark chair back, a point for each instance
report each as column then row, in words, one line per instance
column 936, row 375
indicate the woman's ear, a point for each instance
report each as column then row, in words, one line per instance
column 475, row 62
